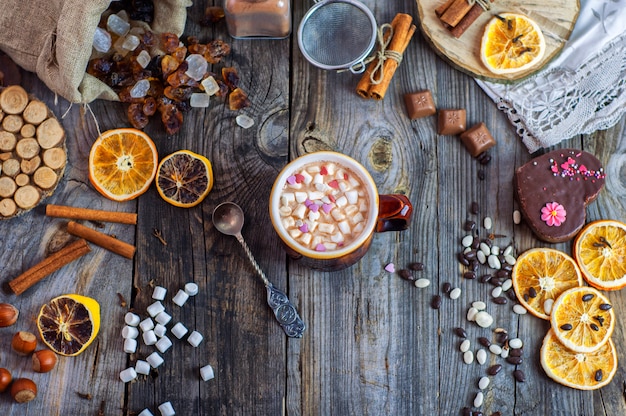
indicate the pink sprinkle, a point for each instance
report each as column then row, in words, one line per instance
column 314, row 207
column 333, row 184
column 291, row 180
column 320, row 247
column 327, row 208
column 299, row 178
column 345, row 177
column 304, row 228
column 323, row 171
column 390, row 268
column 332, row 198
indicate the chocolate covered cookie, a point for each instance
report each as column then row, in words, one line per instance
column 554, row 189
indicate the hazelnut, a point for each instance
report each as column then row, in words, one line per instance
column 8, row 314
column 24, row 342
column 23, row 390
column 44, row 361
column 5, row 379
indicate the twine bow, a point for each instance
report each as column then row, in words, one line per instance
column 482, row 3
column 377, row 75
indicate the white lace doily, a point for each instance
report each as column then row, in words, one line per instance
column 582, row 91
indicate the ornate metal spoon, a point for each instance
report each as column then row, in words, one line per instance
column 228, row 218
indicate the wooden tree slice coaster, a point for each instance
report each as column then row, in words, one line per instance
column 555, row 18
column 32, row 151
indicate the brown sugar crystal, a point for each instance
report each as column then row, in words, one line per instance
column 477, row 139
column 419, row 104
column 451, row 122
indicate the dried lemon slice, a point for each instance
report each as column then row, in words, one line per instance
column 540, row 275
column 511, row 43
column 184, row 178
column 582, row 319
column 122, row 163
column 583, row 371
column 69, row 323
column 600, row 250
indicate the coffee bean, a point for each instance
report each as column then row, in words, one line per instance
column 405, row 274
column 519, row 376
column 502, row 337
column 475, row 243
column 469, row 225
column 484, row 342
column 417, row 266
column 446, row 287
column 470, row 255
column 496, row 414
column 484, row 158
column 503, row 274
column 516, row 352
column 460, row 332
column 462, row 259
column 466, row 411
column 435, row 303
column 514, row 360
column 485, row 278
column 469, row 275
column 474, row 208
column 496, row 281
column 511, row 294
column 494, row 369
column 598, row 375
column 500, row 300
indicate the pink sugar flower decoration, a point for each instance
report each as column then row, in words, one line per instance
column 553, row 214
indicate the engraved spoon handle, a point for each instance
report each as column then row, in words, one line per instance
column 284, row 311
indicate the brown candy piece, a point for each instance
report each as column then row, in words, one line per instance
column 451, row 121
column 477, row 139
column 419, row 104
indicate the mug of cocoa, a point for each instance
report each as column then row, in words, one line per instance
column 325, row 208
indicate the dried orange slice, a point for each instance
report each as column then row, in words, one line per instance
column 582, row 319
column 184, row 178
column 511, row 43
column 69, row 323
column 542, row 274
column 583, row 371
column 600, row 250
column 122, row 163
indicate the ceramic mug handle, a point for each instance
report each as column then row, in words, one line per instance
column 394, row 213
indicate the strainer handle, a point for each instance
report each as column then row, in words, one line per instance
column 358, row 68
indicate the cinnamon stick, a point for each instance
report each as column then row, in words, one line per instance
column 467, row 20
column 362, row 88
column 443, row 7
column 49, row 265
column 77, row 213
column 100, row 239
column 402, row 34
column 453, row 14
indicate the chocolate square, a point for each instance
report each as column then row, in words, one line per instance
column 451, row 122
column 477, row 139
column 419, row 104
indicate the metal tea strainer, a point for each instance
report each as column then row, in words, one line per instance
column 337, row 34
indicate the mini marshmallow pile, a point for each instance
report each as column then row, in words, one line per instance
column 322, row 206
column 153, row 332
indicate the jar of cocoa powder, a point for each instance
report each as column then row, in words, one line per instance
column 270, row 19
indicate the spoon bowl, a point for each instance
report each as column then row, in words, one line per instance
column 228, row 218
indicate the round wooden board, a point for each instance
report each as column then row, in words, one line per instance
column 556, row 19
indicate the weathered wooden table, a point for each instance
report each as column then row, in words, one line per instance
column 373, row 345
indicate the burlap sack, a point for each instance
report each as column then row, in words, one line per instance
column 53, row 38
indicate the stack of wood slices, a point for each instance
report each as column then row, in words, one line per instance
column 32, row 151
